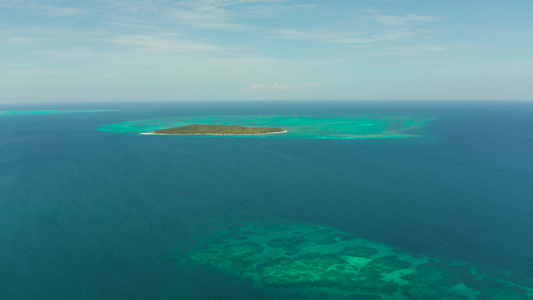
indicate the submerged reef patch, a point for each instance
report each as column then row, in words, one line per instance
column 307, row 270
column 359, row 251
column 317, row 262
column 232, row 260
column 314, row 127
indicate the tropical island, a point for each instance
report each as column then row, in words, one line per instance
column 202, row 129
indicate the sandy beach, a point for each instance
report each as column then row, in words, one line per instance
column 153, row 133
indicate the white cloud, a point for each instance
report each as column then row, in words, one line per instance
column 279, row 87
column 51, row 10
column 271, row 10
column 20, row 40
column 346, row 37
column 57, row 11
column 78, row 54
column 323, row 37
column 211, row 14
column 9, row 3
column 419, row 50
column 403, row 20
column 162, row 43
column 369, row 26
column 205, row 17
column 251, row 61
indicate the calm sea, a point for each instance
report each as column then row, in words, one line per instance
column 87, row 214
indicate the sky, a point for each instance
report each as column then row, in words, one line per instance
column 162, row 50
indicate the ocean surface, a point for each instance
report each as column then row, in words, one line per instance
column 92, row 213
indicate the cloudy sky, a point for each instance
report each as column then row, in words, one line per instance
column 148, row 50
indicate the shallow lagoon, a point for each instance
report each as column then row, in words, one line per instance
column 318, row 126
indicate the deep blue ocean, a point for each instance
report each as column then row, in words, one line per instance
column 88, row 214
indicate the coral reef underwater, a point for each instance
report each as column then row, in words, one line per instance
column 318, row 262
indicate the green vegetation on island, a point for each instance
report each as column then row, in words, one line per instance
column 218, row 130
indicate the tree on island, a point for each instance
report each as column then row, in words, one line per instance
column 203, row 129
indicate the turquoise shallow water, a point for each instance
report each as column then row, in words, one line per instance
column 94, row 214
column 321, row 262
column 316, row 126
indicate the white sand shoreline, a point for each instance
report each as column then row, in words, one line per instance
column 229, row 134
